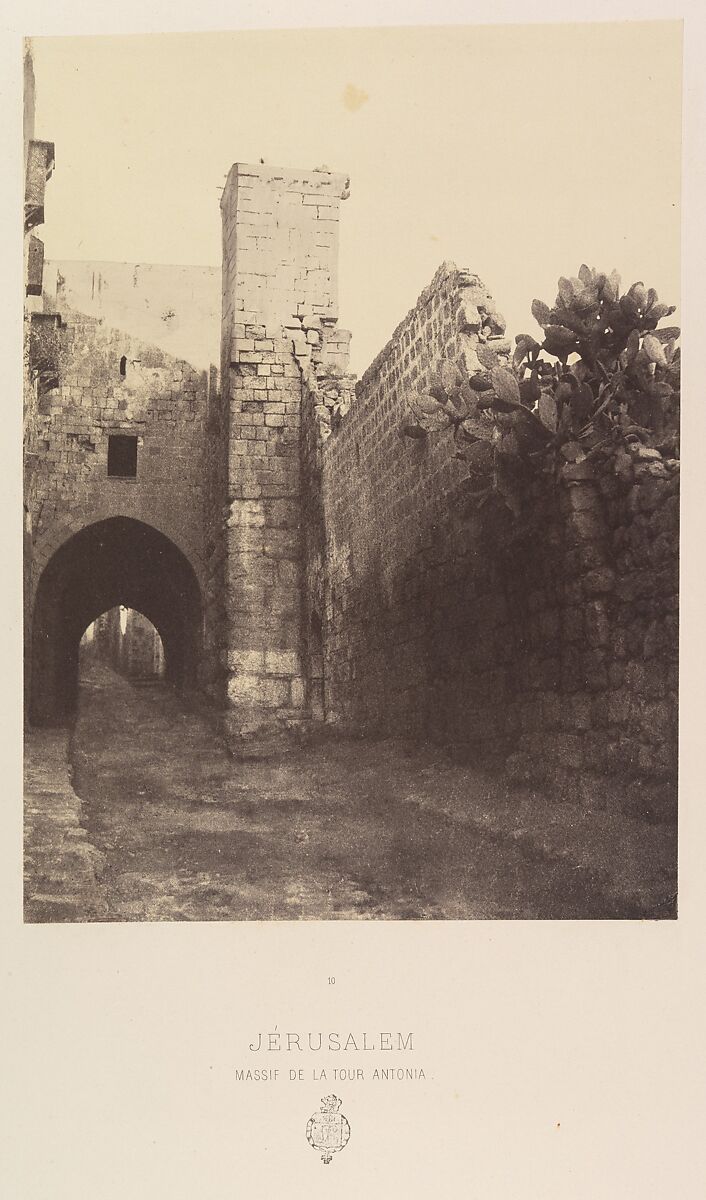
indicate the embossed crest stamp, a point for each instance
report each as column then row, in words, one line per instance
column 328, row 1130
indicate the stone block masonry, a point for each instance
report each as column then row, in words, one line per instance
column 108, row 383
column 96, row 386
column 404, row 571
column 340, row 573
column 280, row 252
column 550, row 642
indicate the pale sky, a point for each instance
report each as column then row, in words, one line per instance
column 516, row 151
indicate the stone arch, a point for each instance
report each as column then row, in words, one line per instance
column 58, row 527
column 115, row 561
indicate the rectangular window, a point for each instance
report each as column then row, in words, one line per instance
column 122, row 456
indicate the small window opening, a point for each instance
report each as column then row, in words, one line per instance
column 123, row 366
column 122, row 456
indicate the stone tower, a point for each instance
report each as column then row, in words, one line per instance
column 279, row 330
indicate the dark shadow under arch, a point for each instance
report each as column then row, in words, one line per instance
column 112, row 562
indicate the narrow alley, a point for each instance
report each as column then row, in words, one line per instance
column 170, row 827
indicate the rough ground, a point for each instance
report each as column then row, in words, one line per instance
column 169, row 827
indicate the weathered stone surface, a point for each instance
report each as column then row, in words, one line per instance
column 280, row 232
column 568, row 750
column 577, row 472
column 62, row 867
column 579, row 599
column 339, row 573
column 282, row 662
column 113, row 383
column 250, row 662
column 599, row 581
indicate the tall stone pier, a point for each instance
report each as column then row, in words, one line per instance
column 280, row 311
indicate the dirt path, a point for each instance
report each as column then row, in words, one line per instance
column 343, row 830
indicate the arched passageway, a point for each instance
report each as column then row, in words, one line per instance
column 125, row 640
column 118, row 561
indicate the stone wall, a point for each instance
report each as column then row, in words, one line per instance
column 38, row 168
column 96, row 382
column 280, row 250
column 600, row 694
column 343, row 574
column 403, row 570
column 216, row 511
column 108, row 382
column 551, row 639
column 118, row 349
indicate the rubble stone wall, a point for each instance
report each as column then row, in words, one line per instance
column 33, row 257
column 158, row 399
column 605, row 676
column 550, row 642
column 107, row 382
column 404, row 572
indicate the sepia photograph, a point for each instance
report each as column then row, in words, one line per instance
column 351, row 475
column 352, row 669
